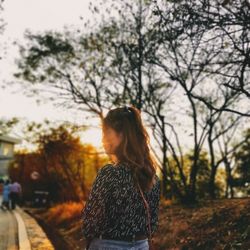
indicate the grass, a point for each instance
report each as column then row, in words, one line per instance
column 64, row 213
column 219, row 224
column 213, row 225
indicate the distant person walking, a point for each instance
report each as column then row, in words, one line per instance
column 15, row 194
column 6, row 192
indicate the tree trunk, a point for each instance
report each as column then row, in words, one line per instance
column 213, row 165
column 229, row 178
column 212, row 182
column 191, row 196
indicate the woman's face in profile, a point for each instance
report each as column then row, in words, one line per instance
column 110, row 140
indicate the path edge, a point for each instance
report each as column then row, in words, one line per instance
column 23, row 240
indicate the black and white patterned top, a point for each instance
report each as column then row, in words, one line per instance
column 115, row 207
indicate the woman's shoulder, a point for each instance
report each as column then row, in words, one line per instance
column 110, row 167
column 115, row 173
column 106, row 169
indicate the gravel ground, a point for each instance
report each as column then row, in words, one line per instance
column 38, row 239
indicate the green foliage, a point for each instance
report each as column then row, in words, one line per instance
column 146, row 56
column 66, row 167
column 7, row 125
column 242, row 158
column 50, row 45
column 2, row 27
column 203, row 175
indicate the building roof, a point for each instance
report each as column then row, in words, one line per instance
column 9, row 139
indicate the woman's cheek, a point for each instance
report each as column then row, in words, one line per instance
column 111, row 148
column 108, row 148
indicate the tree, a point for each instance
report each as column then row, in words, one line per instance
column 64, row 155
column 2, row 23
column 224, row 29
column 66, row 167
column 242, row 161
column 220, row 125
column 7, row 125
column 24, row 164
column 158, row 58
column 228, row 146
column 189, row 57
column 100, row 69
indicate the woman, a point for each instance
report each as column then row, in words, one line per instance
column 6, row 192
column 114, row 216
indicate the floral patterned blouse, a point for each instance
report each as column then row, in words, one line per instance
column 115, row 207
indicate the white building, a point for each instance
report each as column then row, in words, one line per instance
column 7, row 144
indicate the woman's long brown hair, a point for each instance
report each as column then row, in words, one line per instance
column 134, row 148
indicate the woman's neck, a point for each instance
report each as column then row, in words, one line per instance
column 114, row 159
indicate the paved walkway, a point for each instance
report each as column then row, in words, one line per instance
column 19, row 231
column 8, row 231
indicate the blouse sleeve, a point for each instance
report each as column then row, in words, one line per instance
column 155, row 206
column 93, row 214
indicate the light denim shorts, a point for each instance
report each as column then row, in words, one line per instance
column 102, row 244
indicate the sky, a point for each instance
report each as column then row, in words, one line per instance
column 36, row 15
